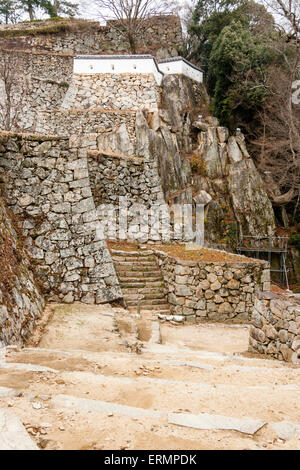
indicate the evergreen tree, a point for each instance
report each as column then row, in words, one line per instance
column 237, row 72
column 9, row 11
column 30, row 7
column 208, row 20
column 57, row 8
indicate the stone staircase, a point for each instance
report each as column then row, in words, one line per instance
column 141, row 281
column 83, row 389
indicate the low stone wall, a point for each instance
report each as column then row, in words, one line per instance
column 218, row 291
column 46, row 183
column 21, row 302
column 275, row 327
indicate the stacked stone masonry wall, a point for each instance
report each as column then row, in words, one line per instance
column 112, row 91
column 54, row 187
column 90, row 121
column 47, row 186
column 276, row 327
column 40, row 83
column 219, row 291
column 114, row 177
column 160, row 36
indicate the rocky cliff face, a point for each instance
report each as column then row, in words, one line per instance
column 199, row 161
column 229, row 176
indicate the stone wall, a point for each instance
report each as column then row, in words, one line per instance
column 112, row 91
column 218, row 291
column 46, row 183
column 160, row 36
column 90, row 121
column 21, row 302
column 275, row 327
column 41, row 61
column 58, row 185
column 112, row 177
column 39, row 83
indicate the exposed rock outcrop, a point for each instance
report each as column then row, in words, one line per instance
column 221, row 165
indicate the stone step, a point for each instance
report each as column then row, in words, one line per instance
column 185, row 365
column 140, row 284
column 145, row 290
column 127, row 259
column 135, row 268
column 13, row 435
column 129, row 297
column 151, row 301
column 140, row 253
column 203, row 421
column 135, row 279
column 159, row 308
column 44, row 357
column 163, row 413
column 135, row 265
column 140, row 274
column 86, row 405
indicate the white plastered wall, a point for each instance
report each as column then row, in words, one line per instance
column 117, row 65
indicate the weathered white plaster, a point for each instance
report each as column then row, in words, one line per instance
column 117, row 65
column 182, row 67
column 136, row 64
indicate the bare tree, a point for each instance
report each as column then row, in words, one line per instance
column 276, row 141
column 10, row 11
column 287, row 14
column 131, row 16
column 13, row 90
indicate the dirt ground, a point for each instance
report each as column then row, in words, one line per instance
column 197, row 369
column 207, row 337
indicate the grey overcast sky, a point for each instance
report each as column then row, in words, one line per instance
column 88, row 9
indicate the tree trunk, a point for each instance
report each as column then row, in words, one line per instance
column 30, row 12
column 55, row 8
column 284, row 217
column 132, row 43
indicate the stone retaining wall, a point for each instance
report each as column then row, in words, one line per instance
column 112, row 177
column 57, row 186
column 160, row 36
column 79, row 121
column 112, row 91
column 276, row 327
column 46, row 183
column 218, row 291
column 21, row 302
column 39, row 83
